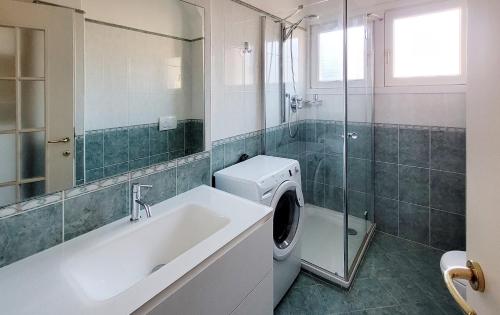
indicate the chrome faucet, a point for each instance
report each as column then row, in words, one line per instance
column 138, row 203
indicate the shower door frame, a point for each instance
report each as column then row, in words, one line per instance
column 349, row 271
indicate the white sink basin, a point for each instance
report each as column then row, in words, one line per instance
column 110, row 270
column 114, row 266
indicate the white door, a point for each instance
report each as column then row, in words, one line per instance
column 483, row 151
column 37, row 81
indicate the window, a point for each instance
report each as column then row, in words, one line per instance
column 328, row 55
column 426, row 45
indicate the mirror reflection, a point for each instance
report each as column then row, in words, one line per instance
column 105, row 94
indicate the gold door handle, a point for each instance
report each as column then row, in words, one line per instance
column 62, row 140
column 474, row 274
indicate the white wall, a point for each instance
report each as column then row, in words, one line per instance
column 236, row 104
column 197, row 80
column 426, row 109
column 133, row 78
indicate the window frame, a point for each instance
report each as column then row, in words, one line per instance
column 315, row 31
column 390, row 16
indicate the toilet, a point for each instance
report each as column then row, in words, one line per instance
column 453, row 259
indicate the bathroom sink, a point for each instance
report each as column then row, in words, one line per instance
column 110, row 268
column 117, row 268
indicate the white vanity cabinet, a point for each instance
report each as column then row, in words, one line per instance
column 238, row 279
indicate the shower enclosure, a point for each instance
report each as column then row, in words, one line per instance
column 315, row 115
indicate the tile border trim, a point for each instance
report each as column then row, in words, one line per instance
column 70, row 193
column 30, row 205
column 238, row 137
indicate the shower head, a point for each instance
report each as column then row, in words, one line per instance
column 307, row 17
column 292, row 27
column 302, row 7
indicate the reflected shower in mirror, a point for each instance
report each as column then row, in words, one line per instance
column 110, row 94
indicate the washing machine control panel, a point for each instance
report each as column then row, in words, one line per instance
column 282, row 176
column 276, row 179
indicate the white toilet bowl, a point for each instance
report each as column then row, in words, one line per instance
column 453, row 259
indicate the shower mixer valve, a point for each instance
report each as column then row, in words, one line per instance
column 295, row 102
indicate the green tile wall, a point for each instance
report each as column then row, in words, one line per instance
column 226, row 152
column 418, row 175
column 420, row 184
column 31, row 227
column 116, row 151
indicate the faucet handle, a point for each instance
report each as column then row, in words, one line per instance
column 136, row 187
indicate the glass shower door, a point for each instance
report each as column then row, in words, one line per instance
column 330, row 134
column 323, row 121
column 360, row 135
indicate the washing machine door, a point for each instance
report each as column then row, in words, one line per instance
column 288, row 204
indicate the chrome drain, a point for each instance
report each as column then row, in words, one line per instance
column 157, row 268
column 351, row 231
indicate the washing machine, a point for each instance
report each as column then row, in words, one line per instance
column 274, row 182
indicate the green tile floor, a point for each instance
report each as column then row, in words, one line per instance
column 396, row 277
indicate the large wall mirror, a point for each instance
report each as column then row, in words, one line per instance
column 94, row 94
